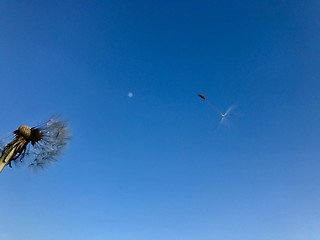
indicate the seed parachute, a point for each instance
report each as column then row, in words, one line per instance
column 38, row 145
column 224, row 116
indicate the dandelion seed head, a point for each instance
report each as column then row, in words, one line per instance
column 55, row 135
column 39, row 146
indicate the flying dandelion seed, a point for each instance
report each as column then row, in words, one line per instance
column 40, row 145
column 224, row 117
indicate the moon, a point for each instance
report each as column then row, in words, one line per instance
column 130, row 94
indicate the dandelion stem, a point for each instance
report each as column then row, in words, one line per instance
column 5, row 158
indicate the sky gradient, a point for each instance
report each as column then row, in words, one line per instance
column 154, row 166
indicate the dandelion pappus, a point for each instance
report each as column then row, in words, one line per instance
column 47, row 141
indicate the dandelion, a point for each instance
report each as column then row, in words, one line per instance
column 39, row 145
column 224, row 116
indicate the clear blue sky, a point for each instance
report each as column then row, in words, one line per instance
column 153, row 167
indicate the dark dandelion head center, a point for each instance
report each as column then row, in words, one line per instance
column 32, row 135
column 36, row 135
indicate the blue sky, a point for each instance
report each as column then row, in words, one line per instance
column 153, row 166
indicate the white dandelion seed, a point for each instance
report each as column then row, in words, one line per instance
column 224, row 117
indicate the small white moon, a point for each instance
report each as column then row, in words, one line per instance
column 130, row 94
